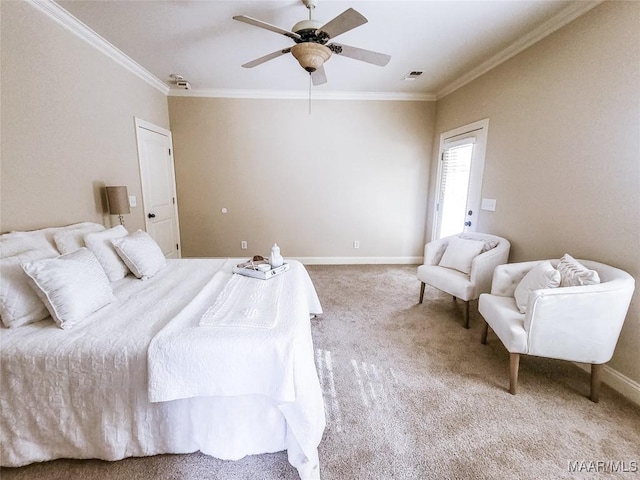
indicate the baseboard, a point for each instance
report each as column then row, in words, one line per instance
column 619, row 382
column 359, row 260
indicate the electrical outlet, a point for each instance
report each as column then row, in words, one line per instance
column 243, row 245
column 356, row 244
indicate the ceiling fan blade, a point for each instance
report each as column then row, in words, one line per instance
column 266, row 58
column 319, row 76
column 347, row 20
column 361, row 54
column 267, row 26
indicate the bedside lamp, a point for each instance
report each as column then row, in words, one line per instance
column 118, row 200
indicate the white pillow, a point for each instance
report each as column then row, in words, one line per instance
column 141, row 254
column 460, row 253
column 543, row 275
column 100, row 244
column 14, row 243
column 488, row 243
column 574, row 274
column 72, row 286
column 19, row 303
column 70, row 240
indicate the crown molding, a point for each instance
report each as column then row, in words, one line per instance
column 568, row 14
column 68, row 21
column 303, row 95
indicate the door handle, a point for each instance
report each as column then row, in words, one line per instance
column 467, row 223
column 151, row 215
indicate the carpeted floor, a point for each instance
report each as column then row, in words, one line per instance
column 411, row 394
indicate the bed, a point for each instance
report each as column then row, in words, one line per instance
column 141, row 376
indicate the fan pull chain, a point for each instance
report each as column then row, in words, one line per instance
column 309, row 94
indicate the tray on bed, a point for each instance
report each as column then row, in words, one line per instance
column 251, row 272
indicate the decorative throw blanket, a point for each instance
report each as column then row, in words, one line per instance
column 245, row 302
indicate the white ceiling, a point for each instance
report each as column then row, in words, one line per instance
column 451, row 41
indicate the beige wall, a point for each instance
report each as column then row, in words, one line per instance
column 563, row 153
column 352, row 170
column 67, row 124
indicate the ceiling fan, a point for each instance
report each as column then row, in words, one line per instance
column 312, row 49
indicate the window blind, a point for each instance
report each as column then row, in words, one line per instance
column 454, row 186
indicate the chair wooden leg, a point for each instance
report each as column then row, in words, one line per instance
column 421, row 291
column 596, row 370
column 466, row 314
column 485, row 332
column 514, row 364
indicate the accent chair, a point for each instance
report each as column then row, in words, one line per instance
column 462, row 265
column 576, row 323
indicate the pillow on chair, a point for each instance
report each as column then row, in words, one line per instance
column 541, row 276
column 460, row 253
column 488, row 244
column 574, row 274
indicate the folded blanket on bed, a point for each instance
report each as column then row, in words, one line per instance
column 245, row 302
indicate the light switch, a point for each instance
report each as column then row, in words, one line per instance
column 489, row 204
column 132, row 201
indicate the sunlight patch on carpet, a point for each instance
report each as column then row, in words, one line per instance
column 324, row 365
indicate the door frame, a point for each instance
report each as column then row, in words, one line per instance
column 480, row 130
column 143, row 124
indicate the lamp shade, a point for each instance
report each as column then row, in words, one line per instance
column 118, row 200
column 311, row 56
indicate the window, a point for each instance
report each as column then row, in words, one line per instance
column 454, row 188
column 460, row 179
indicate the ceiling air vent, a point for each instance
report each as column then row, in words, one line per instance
column 412, row 75
column 180, row 81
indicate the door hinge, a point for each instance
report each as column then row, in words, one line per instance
column 169, row 151
column 174, row 200
column 177, row 247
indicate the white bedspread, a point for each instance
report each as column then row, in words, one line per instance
column 85, row 392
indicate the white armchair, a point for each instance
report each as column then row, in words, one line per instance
column 461, row 285
column 580, row 324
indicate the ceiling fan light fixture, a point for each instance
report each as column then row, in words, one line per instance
column 311, row 56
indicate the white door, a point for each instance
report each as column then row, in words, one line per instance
column 460, row 173
column 158, row 186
